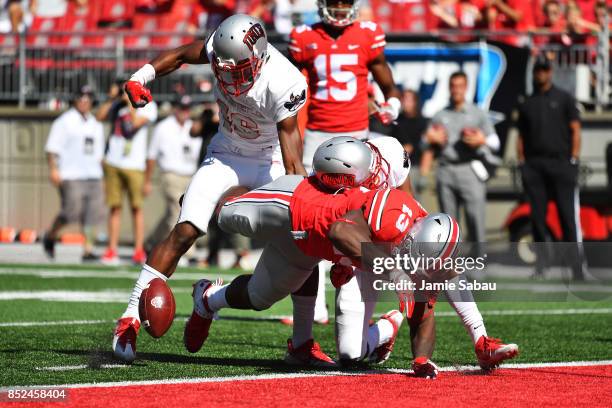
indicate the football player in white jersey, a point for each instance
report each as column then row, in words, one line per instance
column 259, row 93
column 355, row 297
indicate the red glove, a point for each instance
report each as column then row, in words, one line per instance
column 424, row 368
column 341, row 274
column 138, row 94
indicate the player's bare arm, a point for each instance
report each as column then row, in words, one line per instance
column 291, row 145
column 348, row 233
column 163, row 64
column 170, row 61
column 389, row 110
column 384, row 78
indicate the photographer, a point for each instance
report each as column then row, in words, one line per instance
column 124, row 167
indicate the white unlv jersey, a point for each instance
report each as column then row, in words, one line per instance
column 249, row 120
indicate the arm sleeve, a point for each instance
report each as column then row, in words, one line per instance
column 292, row 100
column 55, row 141
column 378, row 39
column 296, row 46
column 572, row 109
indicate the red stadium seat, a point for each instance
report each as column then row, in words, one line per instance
column 145, row 24
column 115, row 11
column 40, row 30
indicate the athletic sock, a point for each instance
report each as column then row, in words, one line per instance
column 303, row 315
column 216, row 297
column 472, row 319
column 465, row 306
column 320, row 311
column 379, row 334
column 147, row 274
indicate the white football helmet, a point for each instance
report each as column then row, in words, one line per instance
column 336, row 16
column 240, row 48
column 346, row 162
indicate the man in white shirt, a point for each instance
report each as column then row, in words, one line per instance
column 75, row 148
column 176, row 152
column 124, row 167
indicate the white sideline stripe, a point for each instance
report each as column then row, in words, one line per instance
column 79, row 367
column 278, row 317
column 110, row 274
column 297, row 375
column 103, row 296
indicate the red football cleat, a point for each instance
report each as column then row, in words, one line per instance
column 383, row 352
column 492, row 352
column 124, row 340
column 308, row 354
column 139, row 257
column 110, row 257
column 198, row 325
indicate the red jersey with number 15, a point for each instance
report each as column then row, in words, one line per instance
column 337, row 73
column 389, row 214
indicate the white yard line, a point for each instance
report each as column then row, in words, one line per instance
column 110, row 274
column 526, row 312
column 79, row 367
column 101, row 296
column 293, row 375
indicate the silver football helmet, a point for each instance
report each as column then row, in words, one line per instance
column 336, row 16
column 433, row 238
column 346, row 162
column 240, row 48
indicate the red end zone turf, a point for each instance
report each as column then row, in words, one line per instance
column 558, row 386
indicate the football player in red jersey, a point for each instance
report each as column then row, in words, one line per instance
column 301, row 224
column 338, row 54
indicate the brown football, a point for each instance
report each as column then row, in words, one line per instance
column 156, row 308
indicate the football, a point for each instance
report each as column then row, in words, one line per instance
column 157, row 308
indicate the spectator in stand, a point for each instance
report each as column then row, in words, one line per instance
column 455, row 14
column 153, row 6
column 124, row 167
column 510, row 15
column 176, row 152
column 11, row 16
column 75, row 148
column 283, row 15
column 601, row 10
column 553, row 22
column 410, row 128
column 209, row 13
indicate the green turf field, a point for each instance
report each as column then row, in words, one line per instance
column 240, row 343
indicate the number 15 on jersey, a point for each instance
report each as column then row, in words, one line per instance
column 335, row 82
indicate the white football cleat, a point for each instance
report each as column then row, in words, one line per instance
column 383, row 352
column 492, row 352
column 124, row 339
column 308, row 354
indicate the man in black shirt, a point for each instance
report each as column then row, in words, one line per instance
column 548, row 147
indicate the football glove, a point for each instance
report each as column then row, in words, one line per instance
column 138, row 94
column 424, row 368
column 341, row 274
column 388, row 111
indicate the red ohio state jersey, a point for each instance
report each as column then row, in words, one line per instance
column 337, row 73
column 390, row 214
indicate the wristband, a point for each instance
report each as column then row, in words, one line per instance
column 144, row 75
column 396, row 105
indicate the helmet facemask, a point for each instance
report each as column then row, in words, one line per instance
column 338, row 16
column 237, row 79
column 379, row 170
